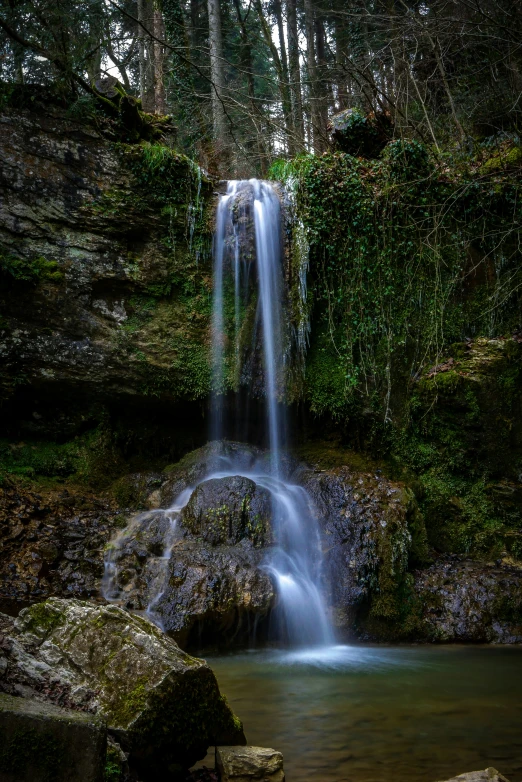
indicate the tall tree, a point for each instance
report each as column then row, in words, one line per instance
column 295, row 73
column 217, row 74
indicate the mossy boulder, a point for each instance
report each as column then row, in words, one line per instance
column 226, row 510
column 162, row 705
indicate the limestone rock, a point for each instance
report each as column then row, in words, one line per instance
column 163, row 706
column 371, row 530
column 39, row 739
column 245, row 764
column 488, row 775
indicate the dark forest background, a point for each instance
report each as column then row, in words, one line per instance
column 249, row 81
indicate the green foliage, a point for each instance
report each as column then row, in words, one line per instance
column 90, row 458
column 404, row 260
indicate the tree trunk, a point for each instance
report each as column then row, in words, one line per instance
column 295, row 73
column 324, row 92
column 315, row 114
column 217, row 74
column 160, row 102
column 146, row 55
column 284, row 89
column 341, row 47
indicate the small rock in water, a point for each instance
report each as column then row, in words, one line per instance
column 488, row 775
column 243, row 764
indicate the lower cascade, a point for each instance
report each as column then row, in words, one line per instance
column 249, row 353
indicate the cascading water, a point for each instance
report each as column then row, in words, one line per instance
column 248, row 352
column 295, row 562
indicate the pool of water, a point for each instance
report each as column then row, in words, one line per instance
column 377, row 714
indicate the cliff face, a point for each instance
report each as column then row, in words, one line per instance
column 105, row 306
column 104, row 258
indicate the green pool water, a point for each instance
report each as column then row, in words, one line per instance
column 381, row 714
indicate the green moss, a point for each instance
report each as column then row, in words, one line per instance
column 42, row 617
column 404, row 260
column 30, row 270
column 90, row 458
column 460, row 444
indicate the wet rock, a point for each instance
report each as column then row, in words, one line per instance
column 488, row 775
column 161, row 705
column 40, row 740
column 463, row 600
column 226, row 510
column 243, row 764
column 219, row 594
column 371, row 530
column 52, row 543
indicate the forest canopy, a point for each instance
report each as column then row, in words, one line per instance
column 249, row 81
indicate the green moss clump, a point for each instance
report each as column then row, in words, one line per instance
column 91, row 458
column 30, row 270
column 42, row 618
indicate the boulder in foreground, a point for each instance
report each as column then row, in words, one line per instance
column 40, row 741
column 245, row 764
column 162, row 705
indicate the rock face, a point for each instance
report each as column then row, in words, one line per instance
column 93, row 235
column 463, row 601
column 162, row 705
column 243, row 764
column 52, row 542
column 41, row 741
column 488, row 775
column 372, row 531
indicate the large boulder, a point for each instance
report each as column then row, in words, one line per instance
column 41, row 742
column 163, row 706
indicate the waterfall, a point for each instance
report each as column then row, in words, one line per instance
column 295, row 562
column 249, row 335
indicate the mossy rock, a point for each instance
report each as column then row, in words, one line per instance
column 163, row 706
